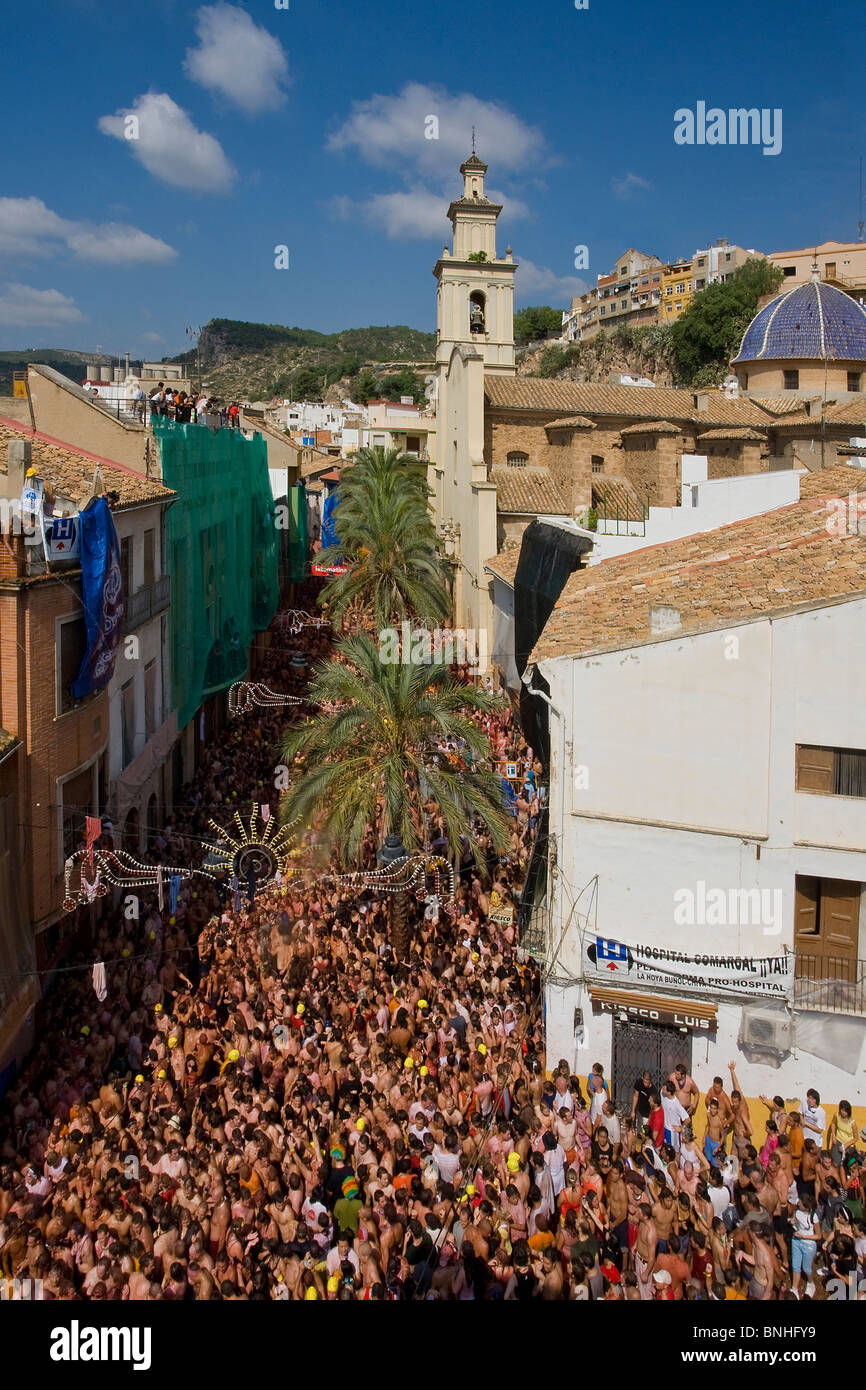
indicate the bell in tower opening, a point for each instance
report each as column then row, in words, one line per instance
column 476, row 313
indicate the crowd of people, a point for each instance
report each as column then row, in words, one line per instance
column 266, row 1104
column 186, row 409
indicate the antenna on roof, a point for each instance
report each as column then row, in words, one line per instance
column 860, row 236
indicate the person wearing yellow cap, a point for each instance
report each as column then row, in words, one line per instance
column 334, row 1282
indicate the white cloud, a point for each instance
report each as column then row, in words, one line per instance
column 237, row 58
column 116, row 244
column 152, row 338
column 632, row 183
column 390, row 130
column 534, row 279
column 418, row 212
column 169, row 146
column 27, row 307
column 29, row 228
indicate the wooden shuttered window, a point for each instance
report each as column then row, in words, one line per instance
column 833, row 771
column 826, row 917
column 816, row 769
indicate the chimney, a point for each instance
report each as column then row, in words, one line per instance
column 664, row 618
column 702, row 402
column 814, row 406
column 19, row 458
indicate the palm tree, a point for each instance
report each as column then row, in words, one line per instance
column 387, row 541
column 371, row 755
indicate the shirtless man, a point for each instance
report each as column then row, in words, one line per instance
column 742, row 1121
column 687, row 1092
column 762, row 1262
column 717, row 1130
column 665, row 1217
column 616, row 1196
column 645, row 1251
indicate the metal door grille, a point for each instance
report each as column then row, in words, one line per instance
column 650, row 1046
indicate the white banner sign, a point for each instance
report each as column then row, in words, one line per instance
column 62, row 539
column 698, row 973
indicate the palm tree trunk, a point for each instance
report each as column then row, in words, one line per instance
column 399, row 921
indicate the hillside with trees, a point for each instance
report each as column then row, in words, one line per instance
column 260, row 361
column 694, row 351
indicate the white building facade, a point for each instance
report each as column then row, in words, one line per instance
column 142, row 726
column 708, row 825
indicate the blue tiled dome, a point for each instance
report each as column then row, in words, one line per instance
column 813, row 320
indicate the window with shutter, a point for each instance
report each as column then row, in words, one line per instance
column 815, row 769
column 826, row 926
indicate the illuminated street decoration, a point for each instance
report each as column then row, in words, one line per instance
column 119, row 869
column 244, row 695
column 294, row 619
column 260, row 847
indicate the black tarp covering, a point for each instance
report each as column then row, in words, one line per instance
column 548, row 555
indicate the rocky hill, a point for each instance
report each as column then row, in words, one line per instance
column 260, row 361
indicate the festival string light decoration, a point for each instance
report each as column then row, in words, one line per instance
column 243, row 695
column 294, row 619
column 262, row 848
column 120, row 869
column 404, row 876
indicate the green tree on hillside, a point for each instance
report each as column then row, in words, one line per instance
column 708, row 334
column 535, row 323
column 403, row 383
column 366, row 387
column 307, row 383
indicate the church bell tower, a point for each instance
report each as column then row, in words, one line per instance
column 476, row 291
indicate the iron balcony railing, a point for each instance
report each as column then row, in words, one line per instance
column 830, row 984
column 146, row 603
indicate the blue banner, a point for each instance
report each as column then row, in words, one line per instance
column 102, row 595
column 329, row 528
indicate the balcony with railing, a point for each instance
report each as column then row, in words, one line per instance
column 146, row 603
column 830, row 984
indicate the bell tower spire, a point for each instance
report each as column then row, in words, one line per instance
column 476, row 289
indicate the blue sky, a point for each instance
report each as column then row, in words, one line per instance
column 305, row 127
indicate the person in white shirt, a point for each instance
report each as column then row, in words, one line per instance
column 813, row 1117
column 675, row 1115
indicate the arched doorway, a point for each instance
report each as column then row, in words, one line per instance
column 131, row 834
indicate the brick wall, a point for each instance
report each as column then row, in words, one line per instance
column 53, row 746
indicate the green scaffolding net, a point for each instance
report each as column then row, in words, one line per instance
column 221, row 552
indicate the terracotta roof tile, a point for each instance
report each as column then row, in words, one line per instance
column 504, row 566
column 778, row 405
column 71, row 473
column 652, row 427
column 586, row 398
column 579, row 422
column 836, row 413
column 763, row 565
column 529, row 490
column 613, row 495
column 733, row 432
column 832, row 482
